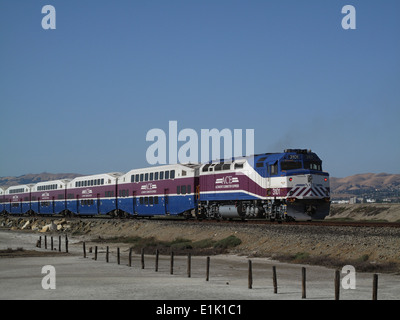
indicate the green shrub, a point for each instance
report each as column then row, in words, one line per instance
column 301, row 256
column 205, row 243
column 180, row 244
column 229, row 242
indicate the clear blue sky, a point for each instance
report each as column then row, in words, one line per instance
column 82, row 98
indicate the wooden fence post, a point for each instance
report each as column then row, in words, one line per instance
column 84, row 249
column 66, row 243
column 337, row 284
column 142, row 258
column 157, row 254
column 303, row 283
column 95, row 253
column 51, row 243
column 130, row 257
column 375, row 287
column 171, row 269
column 189, row 265
column 59, row 243
column 274, row 280
column 118, row 256
column 250, row 276
column 208, row 269
column 45, row 242
column 107, row 254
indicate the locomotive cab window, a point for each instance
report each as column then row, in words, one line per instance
column 312, row 165
column 273, row 169
column 238, row 166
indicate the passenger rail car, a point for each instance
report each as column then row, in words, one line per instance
column 164, row 190
column 93, row 195
column 1, row 200
column 277, row 186
column 17, row 199
column 48, row 197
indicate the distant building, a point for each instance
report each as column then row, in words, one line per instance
column 340, row 201
column 354, row 200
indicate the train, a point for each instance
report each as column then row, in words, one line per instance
column 284, row 186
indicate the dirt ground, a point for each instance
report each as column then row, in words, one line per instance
column 366, row 211
column 80, row 278
column 370, row 248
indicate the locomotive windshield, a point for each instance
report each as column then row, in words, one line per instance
column 291, row 165
column 294, row 165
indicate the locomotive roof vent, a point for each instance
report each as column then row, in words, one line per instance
column 298, row 151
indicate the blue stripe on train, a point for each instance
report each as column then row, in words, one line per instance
column 18, row 207
column 145, row 206
column 142, row 206
column 157, row 205
column 91, row 206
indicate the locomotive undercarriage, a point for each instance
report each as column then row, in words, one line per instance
column 275, row 209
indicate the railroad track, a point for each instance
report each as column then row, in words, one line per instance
column 170, row 219
column 320, row 223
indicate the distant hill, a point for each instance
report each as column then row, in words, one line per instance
column 6, row 182
column 372, row 185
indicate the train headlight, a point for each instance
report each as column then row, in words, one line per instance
column 290, row 179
